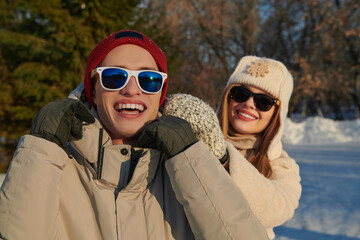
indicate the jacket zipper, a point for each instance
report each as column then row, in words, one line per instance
column 134, row 159
column 100, row 154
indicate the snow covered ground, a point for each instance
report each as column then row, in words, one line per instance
column 328, row 153
column 330, row 202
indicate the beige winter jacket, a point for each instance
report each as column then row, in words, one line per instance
column 48, row 194
column 273, row 200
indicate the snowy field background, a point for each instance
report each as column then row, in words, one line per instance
column 328, row 153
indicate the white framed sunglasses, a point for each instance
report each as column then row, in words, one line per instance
column 116, row 78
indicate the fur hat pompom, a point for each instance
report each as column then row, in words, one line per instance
column 202, row 119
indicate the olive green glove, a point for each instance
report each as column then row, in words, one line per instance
column 171, row 135
column 61, row 121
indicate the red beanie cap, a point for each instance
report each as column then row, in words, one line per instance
column 117, row 39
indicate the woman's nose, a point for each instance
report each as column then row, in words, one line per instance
column 250, row 103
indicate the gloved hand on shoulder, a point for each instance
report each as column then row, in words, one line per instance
column 61, row 121
column 169, row 134
column 202, row 119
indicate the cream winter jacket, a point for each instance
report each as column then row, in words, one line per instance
column 273, row 200
column 93, row 194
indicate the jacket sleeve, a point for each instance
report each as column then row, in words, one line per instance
column 273, row 200
column 214, row 205
column 29, row 197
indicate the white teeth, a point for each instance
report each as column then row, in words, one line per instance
column 246, row 115
column 140, row 107
column 130, row 106
column 131, row 113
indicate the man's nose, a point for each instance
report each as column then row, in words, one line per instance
column 131, row 88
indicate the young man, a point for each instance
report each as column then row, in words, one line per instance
column 103, row 164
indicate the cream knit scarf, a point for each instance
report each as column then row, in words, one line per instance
column 243, row 143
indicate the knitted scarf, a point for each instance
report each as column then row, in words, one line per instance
column 243, row 143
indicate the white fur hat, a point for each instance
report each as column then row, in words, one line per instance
column 269, row 75
column 201, row 117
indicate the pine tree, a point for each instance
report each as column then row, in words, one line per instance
column 44, row 45
column 43, row 51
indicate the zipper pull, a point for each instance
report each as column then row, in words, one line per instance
column 134, row 158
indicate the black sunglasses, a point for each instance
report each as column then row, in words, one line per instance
column 262, row 102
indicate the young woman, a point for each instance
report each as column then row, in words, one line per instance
column 252, row 115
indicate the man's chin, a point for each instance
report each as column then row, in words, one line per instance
column 132, row 133
column 132, row 139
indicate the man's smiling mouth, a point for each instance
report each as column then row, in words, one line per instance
column 129, row 108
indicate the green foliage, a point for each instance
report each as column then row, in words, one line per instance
column 43, row 51
column 44, row 47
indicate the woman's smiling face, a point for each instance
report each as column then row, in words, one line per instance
column 125, row 111
column 245, row 118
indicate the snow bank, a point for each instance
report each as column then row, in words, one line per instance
column 316, row 130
